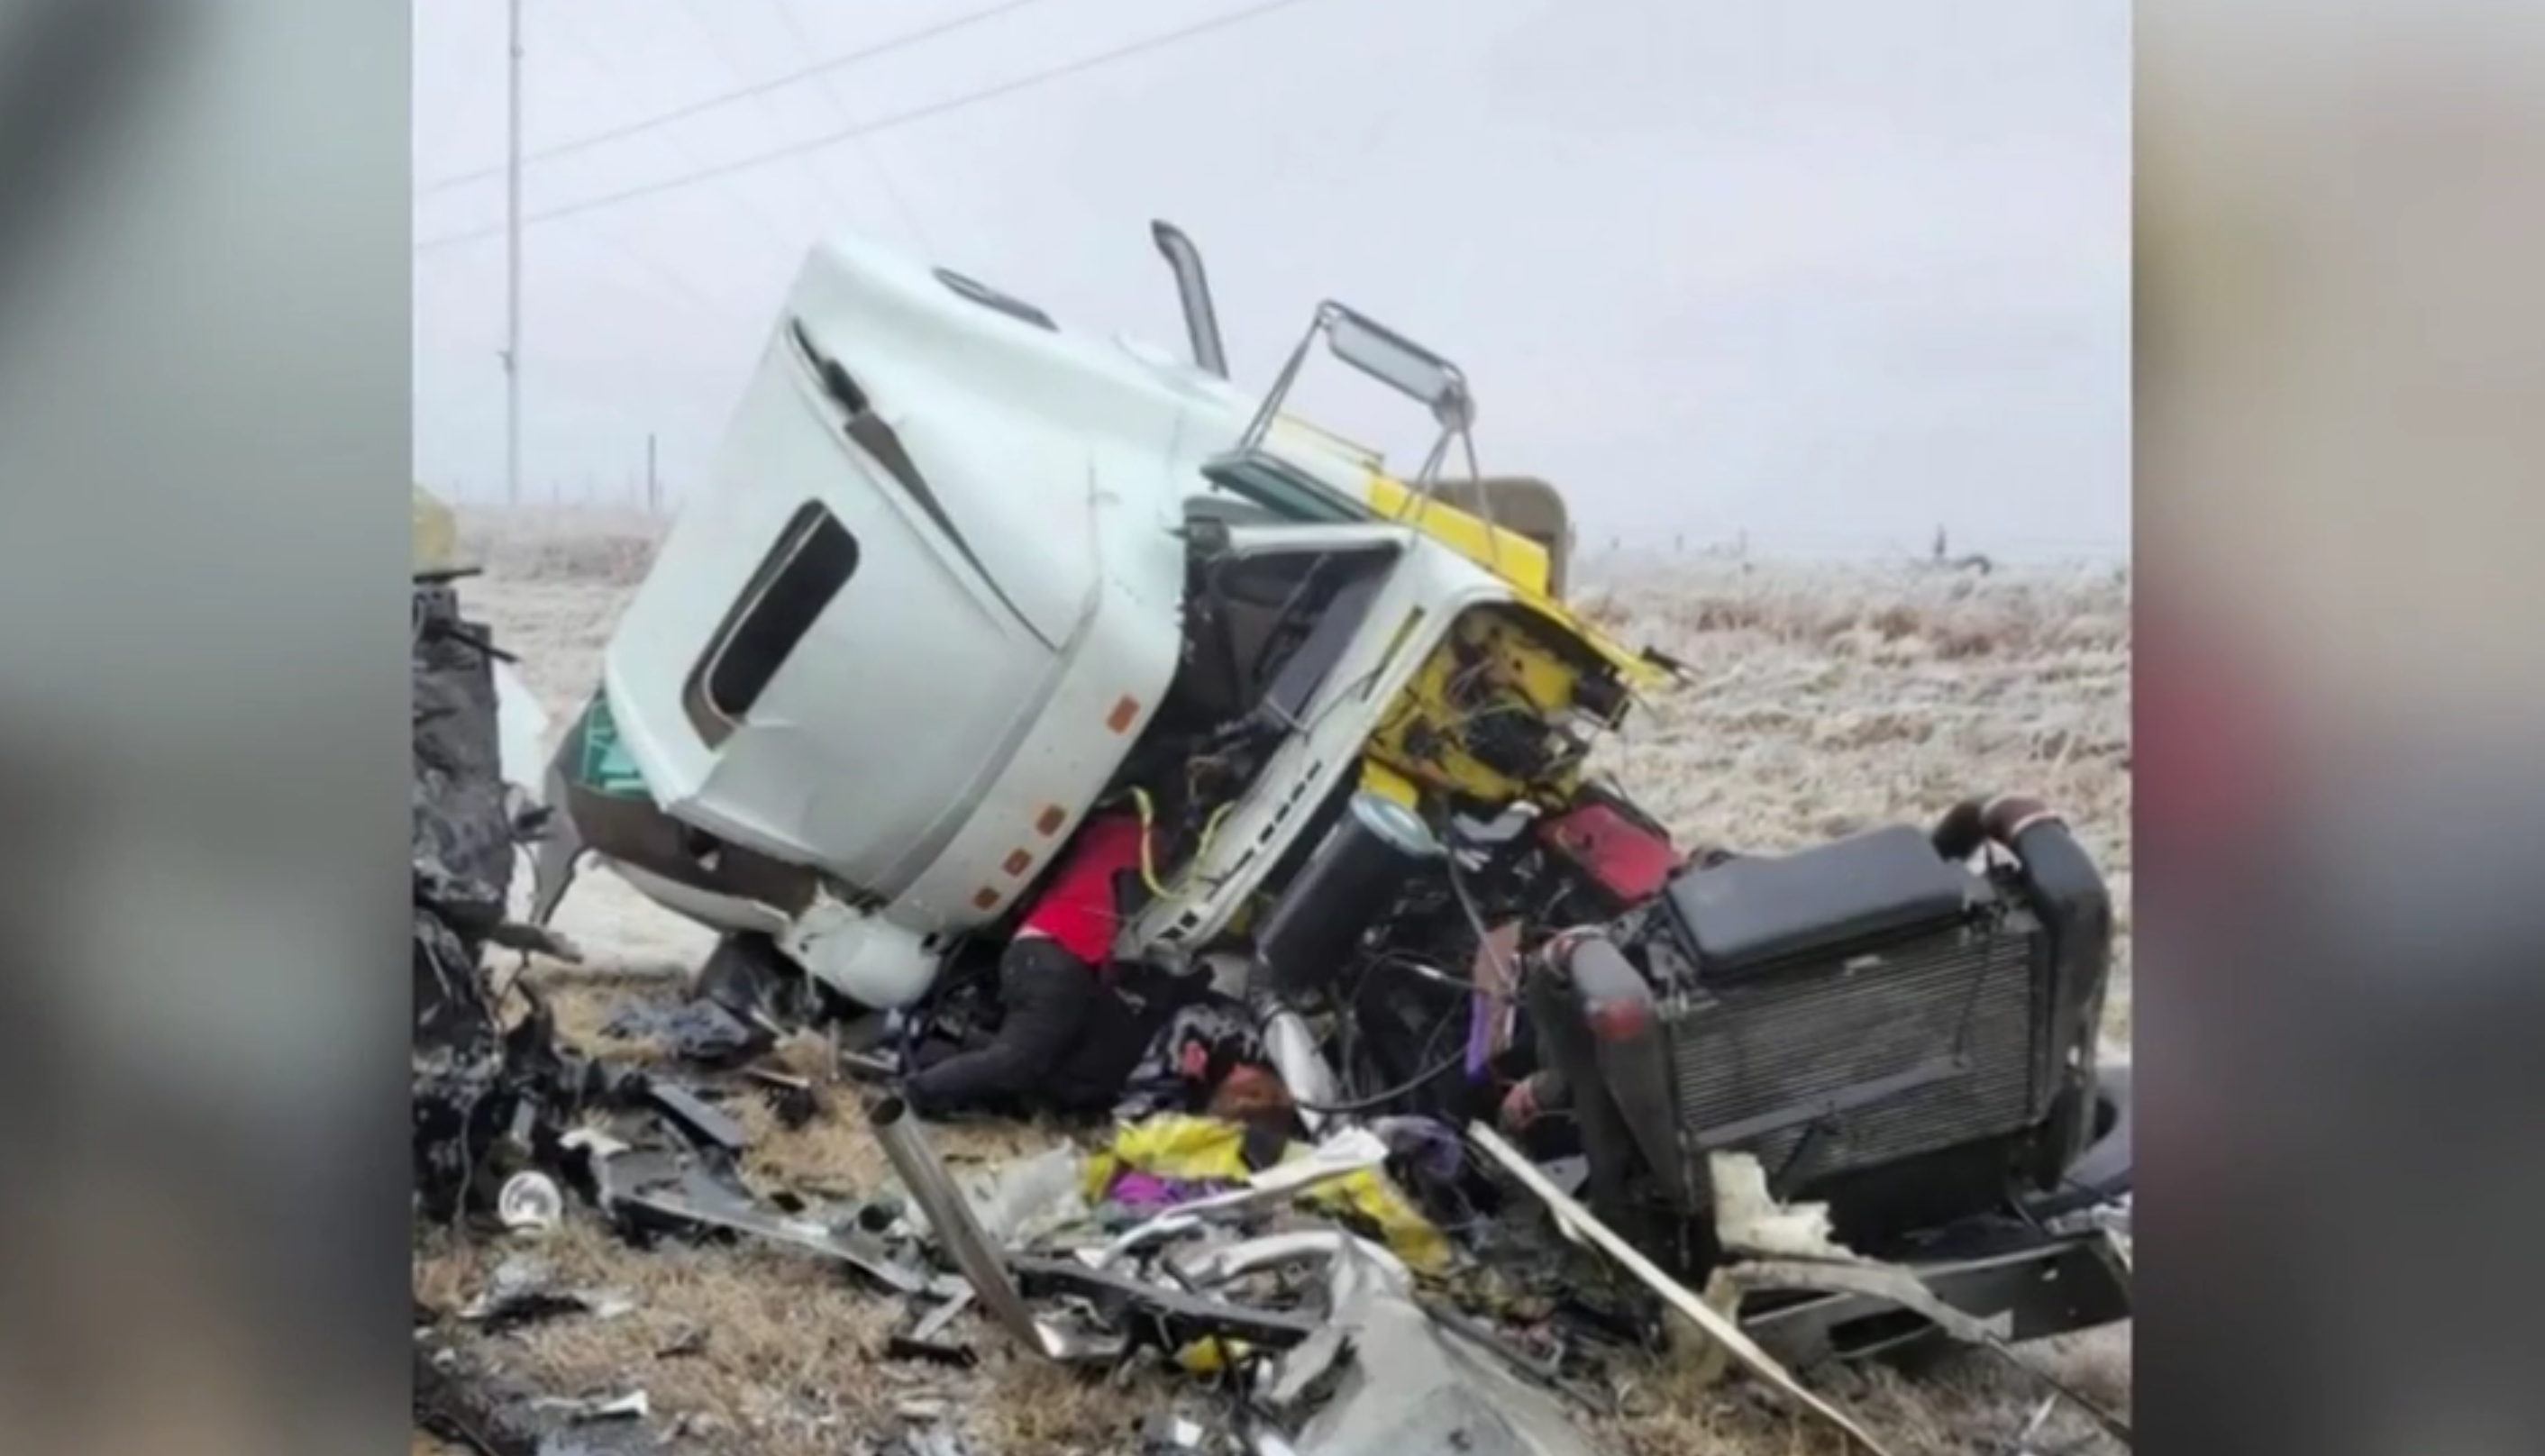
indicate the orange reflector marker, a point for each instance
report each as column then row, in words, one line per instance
column 985, row 898
column 1124, row 712
column 1016, row 861
column 1049, row 821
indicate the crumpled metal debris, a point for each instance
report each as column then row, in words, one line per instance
column 957, row 1233
column 1903, row 1289
column 1178, row 1435
column 698, row 1029
column 635, row 1404
column 474, row 1407
column 702, row 1121
column 1716, row 1325
column 1357, row 1362
column 1032, row 1197
column 1791, row 1248
column 482, row 1094
column 656, row 1190
column 520, row 1294
column 1412, row 1388
column 925, row 1339
column 1243, row 1173
column 1221, row 1263
column 2019, row 1292
column 794, row 1099
column 931, row 1438
column 1159, row 1316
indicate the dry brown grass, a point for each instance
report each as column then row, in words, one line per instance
column 1827, row 697
column 1968, row 1404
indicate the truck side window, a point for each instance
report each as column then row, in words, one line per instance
column 813, row 558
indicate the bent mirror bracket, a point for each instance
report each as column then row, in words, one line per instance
column 1391, row 358
column 1400, row 363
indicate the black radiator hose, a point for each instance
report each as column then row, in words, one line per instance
column 2063, row 888
column 1599, row 1030
column 1616, row 1002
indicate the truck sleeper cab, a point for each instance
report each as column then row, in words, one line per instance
column 881, row 668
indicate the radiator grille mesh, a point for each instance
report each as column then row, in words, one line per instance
column 1791, row 1038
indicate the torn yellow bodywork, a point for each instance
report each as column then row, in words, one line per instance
column 1522, row 562
column 1492, row 665
column 1530, row 659
column 1513, row 555
column 1505, row 552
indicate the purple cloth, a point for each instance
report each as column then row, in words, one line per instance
column 1431, row 1145
column 1148, row 1191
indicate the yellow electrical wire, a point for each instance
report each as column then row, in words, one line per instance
column 1148, row 855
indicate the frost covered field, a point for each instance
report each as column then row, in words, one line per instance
column 1826, row 698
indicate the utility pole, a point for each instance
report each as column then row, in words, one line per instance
column 653, row 481
column 513, row 265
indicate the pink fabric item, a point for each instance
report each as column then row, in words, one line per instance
column 1148, row 1191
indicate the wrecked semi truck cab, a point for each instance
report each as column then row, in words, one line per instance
column 959, row 576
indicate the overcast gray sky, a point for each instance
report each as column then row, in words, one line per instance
column 1826, row 271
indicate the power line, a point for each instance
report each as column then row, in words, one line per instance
column 758, row 88
column 867, row 151
column 1025, row 82
column 599, row 57
column 724, row 59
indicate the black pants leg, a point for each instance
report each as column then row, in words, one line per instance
column 1097, row 1065
column 1049, row 996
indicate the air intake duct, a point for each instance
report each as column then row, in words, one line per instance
column 2075, row 905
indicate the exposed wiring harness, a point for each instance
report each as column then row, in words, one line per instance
column 1457, row 1056
column 1411, row 1084
column 1148, row 844
column 1378, row 1099
column 1449, row 843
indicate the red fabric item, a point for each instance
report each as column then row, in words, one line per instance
column 1628, row 860
column 1076, row 909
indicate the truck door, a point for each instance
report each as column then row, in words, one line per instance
column 806, row 671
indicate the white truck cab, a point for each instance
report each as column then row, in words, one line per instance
column 934, row 595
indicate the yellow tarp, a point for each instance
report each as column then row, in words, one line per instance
column 1206, row 1150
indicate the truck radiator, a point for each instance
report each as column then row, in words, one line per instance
column 1861, row 1057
